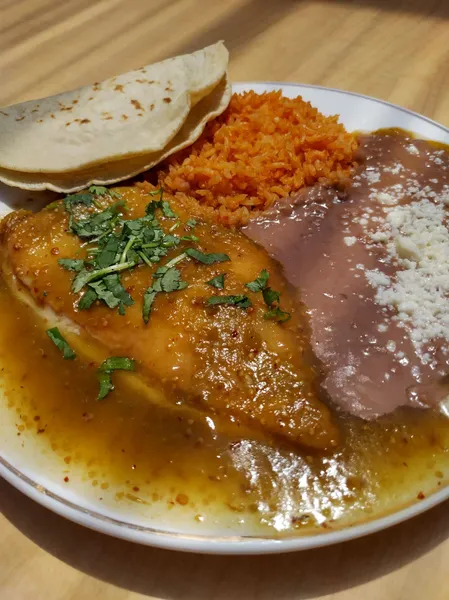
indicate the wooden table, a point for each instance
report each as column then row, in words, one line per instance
column 393, row 49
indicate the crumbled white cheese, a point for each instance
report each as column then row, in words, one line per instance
column 419, row 290
column 406, row 248
column 384, row 198
column 372, row 176
column 380, row 236
column 395, row 170
column 377, row 279
column 391, row 346
column 411, row 149
column 350, row 240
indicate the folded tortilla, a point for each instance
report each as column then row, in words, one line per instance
column 110, row 131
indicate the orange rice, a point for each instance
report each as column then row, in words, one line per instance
column 264, row 147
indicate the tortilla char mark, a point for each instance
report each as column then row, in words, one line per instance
column 226, row 361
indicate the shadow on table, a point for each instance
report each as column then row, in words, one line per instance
column 169, row 575
column 247, row 21
column 431, row 8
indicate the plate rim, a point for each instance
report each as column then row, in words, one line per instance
column 232, row 544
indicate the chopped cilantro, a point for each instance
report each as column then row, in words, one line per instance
column 54, row 204
column 174, row 226
column 276, row 314
column 260, row 283
column 104, row 294
column 170, row 279
column 114, row 363
column 159, row 192
column 270, row 296
column 87, row 299
column 167, row 211
column 106, row 385
column 170, row 241
column 115, row 286
column 98, row 190
column 120, row 245
column 98, row 224
column 176, row 260
column 84, row 277
column 111, row 364
column 191, row 223
column 161, row 204
column 108, row 254
column 239, row 301
column 59, row 341
column 206, row 259
column 71, row 264
column 190, row 238
column 111, row 292
column 166, row 279
column 217, row 282
column 148, row 299
column 86, row 199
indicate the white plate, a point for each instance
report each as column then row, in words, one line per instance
column 31, row 472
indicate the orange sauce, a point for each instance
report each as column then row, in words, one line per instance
column 139, row 452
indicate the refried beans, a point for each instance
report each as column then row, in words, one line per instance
column 344, row 250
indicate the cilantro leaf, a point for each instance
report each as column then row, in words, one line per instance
column 170, row 240
column 52, row 205
column 167, row 279
column 163, row 205
column 59, row 341
column 148, row 300
column 87, row 299
column 170, row 279
column 97, row 224
column 110, row 291
column 111, row 364
column 71, row 264
column 206, row 259
column 191, row 223
column 152, row 206
column 260, row 283
column 104, row 294
column 239, row 301
column 86, row 199
column 167, row 211
column 114, row 285
column 106, row 385
column 217, row 282
column 83, row 277
column 277, row 314
column 150, row 210
column 190, row 238
column 108, row 254
column 270, row 296
column 159, row 191
column 272, row 299
column 137, row 227
column 114, row 363
column 98, row 190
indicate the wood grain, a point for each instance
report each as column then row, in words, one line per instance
column 392, row 49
